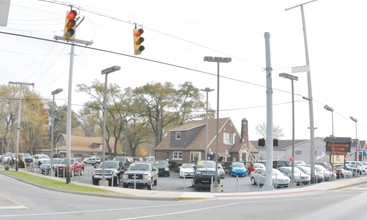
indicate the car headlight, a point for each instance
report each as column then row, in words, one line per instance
column 147, row 176
column 166, row 169
column 198, row 172
column 125, row 176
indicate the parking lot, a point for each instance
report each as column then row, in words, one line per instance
column 175, row 183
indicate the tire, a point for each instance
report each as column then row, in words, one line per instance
column 95, row 182
column 253, row 181
column 155, row 183
column 124, row 185
column 115, row 181
column 81, row 172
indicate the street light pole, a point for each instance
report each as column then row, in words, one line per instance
column 328, row 108
column 53, row 93
column 292, row 78
column 207, row 90
column 356, row 141
column 216, row 187
column 103, row 181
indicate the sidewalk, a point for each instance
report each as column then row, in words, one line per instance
column 169, row 195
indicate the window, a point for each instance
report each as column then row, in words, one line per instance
column 298, row 152
column 177, row 155
column 178, row 135
column 228, row 138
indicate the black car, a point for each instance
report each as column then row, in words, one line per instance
column 204, row 174
column 163, row 167
column 24, row 159
column 113, row 171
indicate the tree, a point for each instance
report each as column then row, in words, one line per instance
column 277, row 131
column 165, row 106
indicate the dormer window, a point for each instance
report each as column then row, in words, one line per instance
column 178, row 135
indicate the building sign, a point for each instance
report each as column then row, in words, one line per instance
column 338, row 145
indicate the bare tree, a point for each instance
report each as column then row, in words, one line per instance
column 277, row 131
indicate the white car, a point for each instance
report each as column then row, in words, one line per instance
column 299, row 176
column 187, row 170
column 40, row 159
column 258, row 177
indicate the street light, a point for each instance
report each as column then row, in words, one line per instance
column 207, row 90
column 356, row 141
column 53, row 93
column 328, row 108
column 103, row 181
column 217, row 60
column 292, row 78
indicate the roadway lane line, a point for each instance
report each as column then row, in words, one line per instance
column 19, row 205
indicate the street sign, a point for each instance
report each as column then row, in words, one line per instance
column 300, row 69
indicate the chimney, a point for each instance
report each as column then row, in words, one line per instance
column 244, row 131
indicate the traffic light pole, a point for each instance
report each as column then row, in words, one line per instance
column 68, row 118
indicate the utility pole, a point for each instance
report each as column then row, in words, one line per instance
column 18, row 123
column 68, row 118
column 269, row 117
column 207, row 90
column 310, row 99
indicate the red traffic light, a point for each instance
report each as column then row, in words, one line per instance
column 139, row 32
column 72, row 14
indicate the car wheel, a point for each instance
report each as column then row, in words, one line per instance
column 81, row 172
column 253, row 181
column 115, row 179
column 95, row 182
column 155, row 182
column 124, row 185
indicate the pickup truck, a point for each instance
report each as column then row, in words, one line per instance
column 140, row 174
column 113, row 171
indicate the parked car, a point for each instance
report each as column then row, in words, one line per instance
column 204, row 174
column 93, row 160
column 140, row 174
column 318, row 177
column 341, row 172
column 45, row 167
column 40, row 159
column 7, row 157
column 299, row 176
column 281, row 163
column 238, row 169
column 328, row 174
column 259, row 165
column 278, row 178
column 187, row 170
column 76, row 167
column 24, row 159
column 162, row 166
column 113, row 171
column 299, row 162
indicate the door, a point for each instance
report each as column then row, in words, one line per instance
column 195, row 156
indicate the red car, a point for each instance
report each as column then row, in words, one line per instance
column 76, row 167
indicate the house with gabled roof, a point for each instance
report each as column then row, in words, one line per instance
column 81, row 146
column 190, row 141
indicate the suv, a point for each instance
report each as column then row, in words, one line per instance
column 163, row 167
column 140, row 174
column 204, row 174
column 112, row 171
column 93, row 160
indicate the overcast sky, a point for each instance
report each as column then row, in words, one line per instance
column 182, row 33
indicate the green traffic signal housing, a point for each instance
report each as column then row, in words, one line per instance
column 138, row 40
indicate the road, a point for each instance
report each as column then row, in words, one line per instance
column 19, row 200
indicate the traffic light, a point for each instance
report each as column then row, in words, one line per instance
column 70, row 25
column 261, row 142
column 275, row 142
column 138, row 39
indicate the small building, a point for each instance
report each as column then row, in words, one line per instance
column 190, row 142
column 81, row 146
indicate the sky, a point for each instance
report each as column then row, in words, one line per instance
column 181, row 33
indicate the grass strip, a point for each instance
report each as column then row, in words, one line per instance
column 54, row 184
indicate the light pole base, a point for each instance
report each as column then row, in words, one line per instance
column 216, row 187
column 292, row 185
column 271, row 187
column 103, row 183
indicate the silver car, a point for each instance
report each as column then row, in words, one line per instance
column 299, row 176
column 278, row 178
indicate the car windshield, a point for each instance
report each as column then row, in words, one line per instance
column 139, row 166
column 161, row 163
column 187, row 165
column 64, row 161
column 205, row 164
column 48, row 161
column 238, row 165
column 109, row 164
